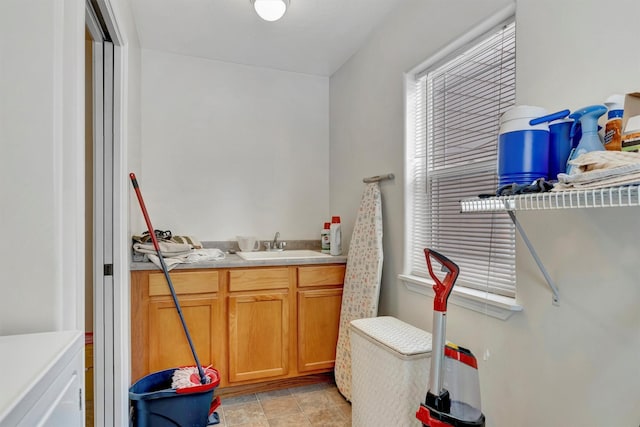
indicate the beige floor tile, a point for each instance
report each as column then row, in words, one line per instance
column 306, row 406
column 260, row 423
column 313, row 400
column 345, row 408
column 221, row 417
column 243, row 413
column 273, row 394
column 280, row 406
column 334, row 396
column 310, row 388
column 328, row 417
column 230, row 401
column 295, row 420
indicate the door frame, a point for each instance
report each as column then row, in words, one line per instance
column 111, row 300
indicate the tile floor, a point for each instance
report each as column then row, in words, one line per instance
column 313, row 405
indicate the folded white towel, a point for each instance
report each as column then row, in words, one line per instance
column 601, row 169
column 168, row 249
column 604, row 160
column 169, row 262
column 199, row 255
column 196, row 255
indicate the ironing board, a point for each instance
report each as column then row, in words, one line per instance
column 361, row 281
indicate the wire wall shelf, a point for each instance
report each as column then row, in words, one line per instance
column 611, row 197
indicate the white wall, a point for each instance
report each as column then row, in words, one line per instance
column 233, row 150
column 131, row 102
column 575, row 364
column 41, row 166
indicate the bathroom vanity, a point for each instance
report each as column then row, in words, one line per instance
column 254, row 321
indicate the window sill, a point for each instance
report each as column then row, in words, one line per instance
column 492, row 305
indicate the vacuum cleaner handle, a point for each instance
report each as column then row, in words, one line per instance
column 442, row 289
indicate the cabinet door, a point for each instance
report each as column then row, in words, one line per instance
column 258, row 336
column 318, row 322
column 168, row 345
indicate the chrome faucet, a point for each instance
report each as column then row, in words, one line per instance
column 275, row 245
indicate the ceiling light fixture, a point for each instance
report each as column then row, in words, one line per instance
column 270, row 10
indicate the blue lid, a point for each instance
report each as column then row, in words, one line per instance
column 614, row 113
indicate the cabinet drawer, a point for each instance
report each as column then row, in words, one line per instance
column 321, row 275
column 258, row 278
column 185, row 283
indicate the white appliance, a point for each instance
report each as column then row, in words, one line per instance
column 43, row 379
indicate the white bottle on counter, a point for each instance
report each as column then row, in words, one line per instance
column 336, row 236
column 325, row 238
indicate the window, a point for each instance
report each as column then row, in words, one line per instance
column 454, row 106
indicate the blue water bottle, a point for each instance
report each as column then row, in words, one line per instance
column 560, row 145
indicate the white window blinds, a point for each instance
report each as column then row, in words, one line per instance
column 458, row 103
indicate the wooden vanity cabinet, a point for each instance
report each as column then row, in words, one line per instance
column 253, row 324
column 319, row 302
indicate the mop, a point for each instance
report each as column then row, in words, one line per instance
column 362, row 279
column 188, row 376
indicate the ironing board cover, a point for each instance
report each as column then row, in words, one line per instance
column 361, row 281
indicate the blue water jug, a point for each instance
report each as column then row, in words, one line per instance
column 523, row 148
column 560, row 145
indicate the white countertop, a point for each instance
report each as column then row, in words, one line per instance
column 234, row 261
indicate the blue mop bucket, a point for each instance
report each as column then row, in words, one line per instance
column 155, row 404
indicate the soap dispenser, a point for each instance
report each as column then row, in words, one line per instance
column 590, row 141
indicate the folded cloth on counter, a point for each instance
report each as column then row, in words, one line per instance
column 187, row 239
column 166, row 236
column 196, row 255
column 169, row 249
column 601, row 169
column 199, row 255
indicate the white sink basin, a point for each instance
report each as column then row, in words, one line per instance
column 292, row 254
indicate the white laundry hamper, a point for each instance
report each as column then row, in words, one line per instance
column 390, row 371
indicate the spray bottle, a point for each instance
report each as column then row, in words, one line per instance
column 613, row 128
column 590, row 141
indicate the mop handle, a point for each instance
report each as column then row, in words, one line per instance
column 156, row 246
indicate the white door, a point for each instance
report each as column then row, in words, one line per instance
column 107, row 389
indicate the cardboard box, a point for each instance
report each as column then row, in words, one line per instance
column 631, row 137
column 631, row 107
